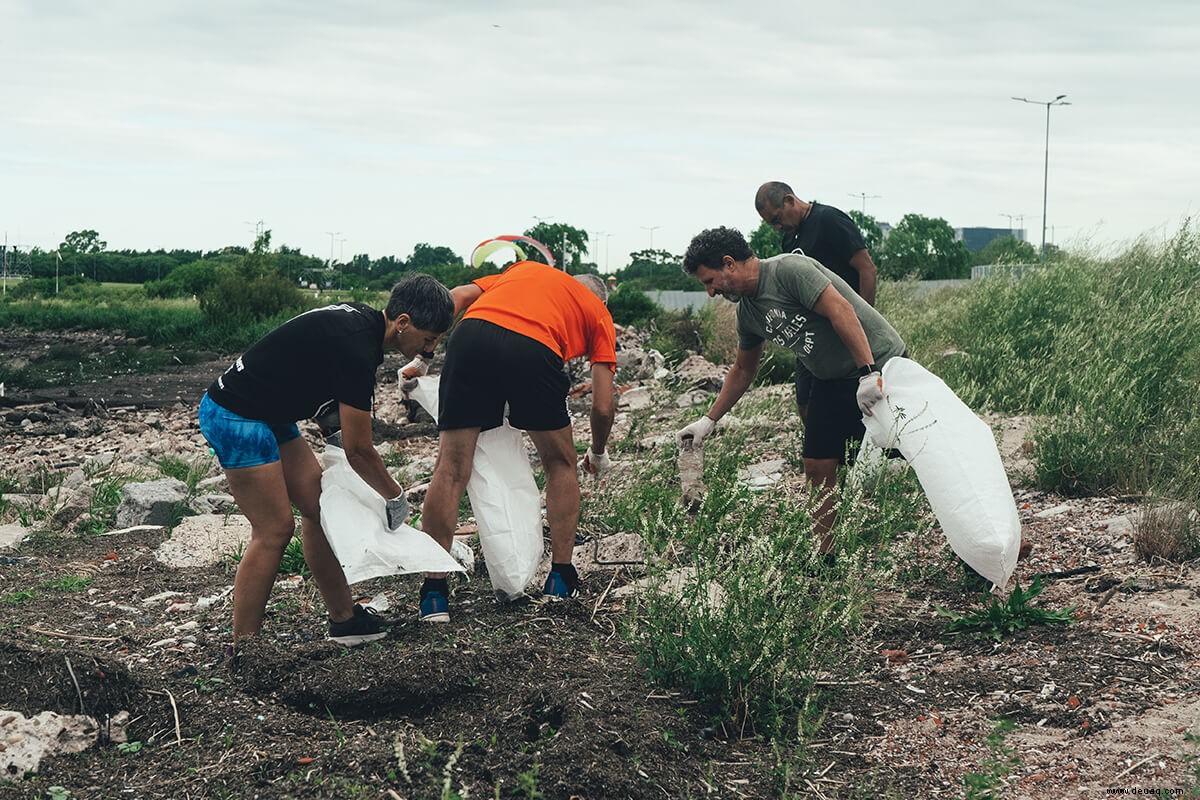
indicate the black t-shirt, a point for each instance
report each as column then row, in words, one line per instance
column 327, row 354
column 829, row 236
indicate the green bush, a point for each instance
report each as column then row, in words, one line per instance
column 630, row 306
column 235, row 299
column 190, row 280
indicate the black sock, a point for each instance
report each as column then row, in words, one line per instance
column 435, row 585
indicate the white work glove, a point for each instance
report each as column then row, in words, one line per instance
column 409, row 373
column 870, row 391
column 694, row 434
column 595, row 463
column 397, row 511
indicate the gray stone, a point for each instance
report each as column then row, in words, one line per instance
column 151, row 503
column 216, row 503
column 697, row 372
column 635, row 399
column 77, row 503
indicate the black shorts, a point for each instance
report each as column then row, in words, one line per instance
column 804, row 382
column 488, row 366
column 834, row 420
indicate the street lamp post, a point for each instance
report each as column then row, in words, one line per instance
column 1058, row 101
column 652, row 229
column 864, row 197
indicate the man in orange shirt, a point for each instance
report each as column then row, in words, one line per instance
column 519, row 328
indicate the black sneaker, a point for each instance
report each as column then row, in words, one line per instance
column 560, row 587
column 365, row 626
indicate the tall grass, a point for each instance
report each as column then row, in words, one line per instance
column 748, row 616
column 1105, row 352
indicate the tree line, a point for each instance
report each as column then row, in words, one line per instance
column 918, row 246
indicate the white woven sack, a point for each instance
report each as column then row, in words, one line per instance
column 505, row 499
column 954, row 455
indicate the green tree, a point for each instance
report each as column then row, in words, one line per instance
column 655, row 269
column 566, row 242
column 82, row 243
column 1005, row 250
column 765, row 241
column 872, row 234
column 426, row 258
column 924, row 247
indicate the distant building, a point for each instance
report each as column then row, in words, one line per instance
column 978, row 238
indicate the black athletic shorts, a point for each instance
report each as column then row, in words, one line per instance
column 834, row 420
column 488, row 366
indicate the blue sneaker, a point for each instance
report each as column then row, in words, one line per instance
column 557, row 587
column 435, row 607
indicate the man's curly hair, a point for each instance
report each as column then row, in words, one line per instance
column 709, row 247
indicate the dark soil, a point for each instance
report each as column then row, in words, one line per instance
column 534, row 700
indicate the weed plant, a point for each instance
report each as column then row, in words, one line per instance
column 998, row 619
column 753, row 618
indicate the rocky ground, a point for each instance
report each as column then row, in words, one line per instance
column 528, row 700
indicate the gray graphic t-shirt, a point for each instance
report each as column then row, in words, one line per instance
column 788, row 287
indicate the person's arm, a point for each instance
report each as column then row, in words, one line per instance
column 846, row 325
column 867, row 274
column 741, row 375
column 361, row 453
column 603, row 408
column 463, row 296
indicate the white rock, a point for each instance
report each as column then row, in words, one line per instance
column 30, row 739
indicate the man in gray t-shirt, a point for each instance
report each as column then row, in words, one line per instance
column 794, row 301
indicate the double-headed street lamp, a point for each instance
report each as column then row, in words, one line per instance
column 1058, row 101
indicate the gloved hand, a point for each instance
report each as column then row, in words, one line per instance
column 694, row 434
column 870, row 391
column 409, row 373
column 595, row 463
column 397, row 511
column 415, row 368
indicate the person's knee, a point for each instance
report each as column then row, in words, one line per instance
column 274, row 534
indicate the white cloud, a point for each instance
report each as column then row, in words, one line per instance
column 172, row 124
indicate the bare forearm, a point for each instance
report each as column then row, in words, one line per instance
column 736, row 383
column 370, row 467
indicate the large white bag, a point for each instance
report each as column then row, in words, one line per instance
column 353, row 516
column 954, row 455
column 505, row 499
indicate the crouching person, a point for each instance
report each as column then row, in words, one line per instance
column 320, row 361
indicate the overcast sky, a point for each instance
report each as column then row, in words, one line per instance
column 163, row 123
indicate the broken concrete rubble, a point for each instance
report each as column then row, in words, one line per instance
column 151, row 503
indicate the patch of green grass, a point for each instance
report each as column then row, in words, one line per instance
column 293, row 562
column 69, row 583
column 188, row 471
column 17, row 598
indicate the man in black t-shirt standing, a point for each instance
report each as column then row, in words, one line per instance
column 321, row 362
column 824, row 233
